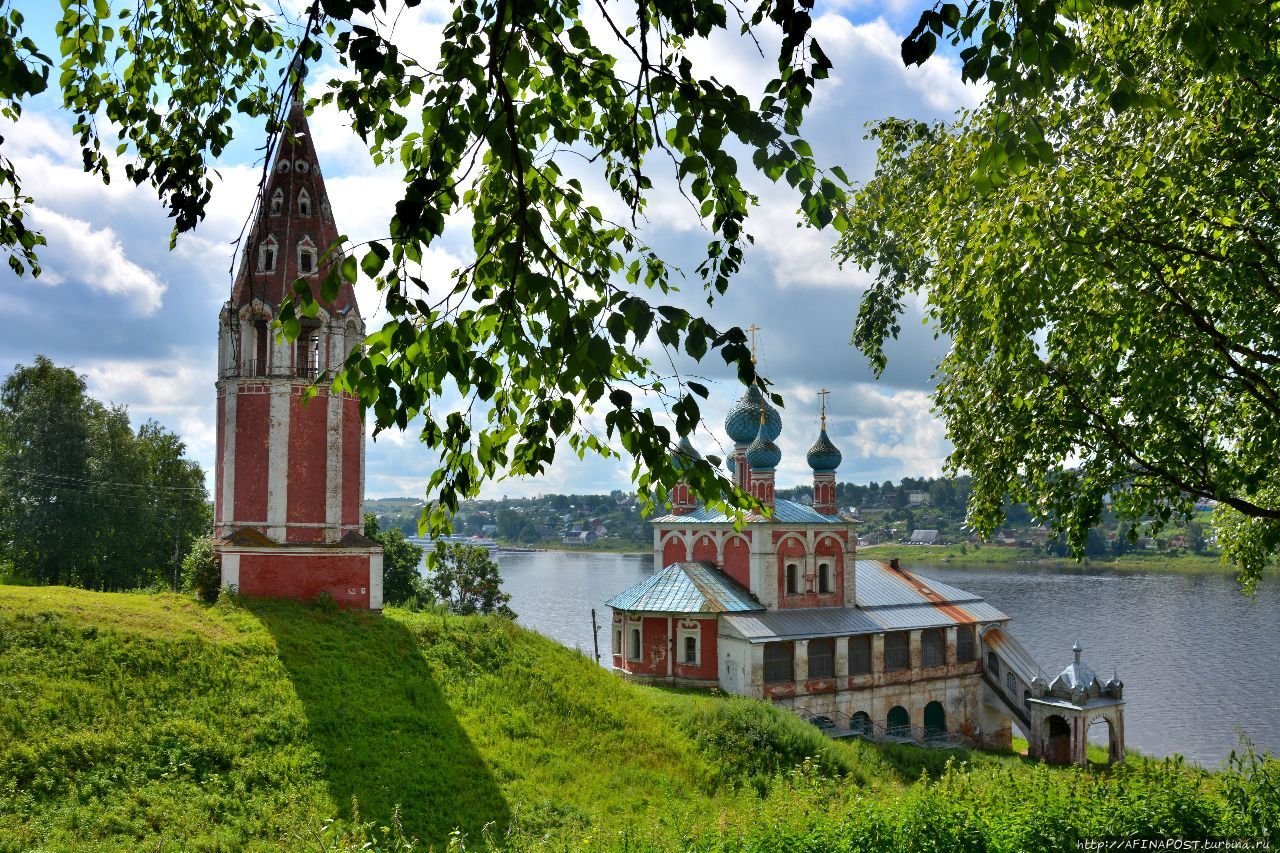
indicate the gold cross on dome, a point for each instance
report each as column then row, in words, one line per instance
column 823, row 394
column 753, row 328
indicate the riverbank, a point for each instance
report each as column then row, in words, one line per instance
column 996, row 556
column 261, row 725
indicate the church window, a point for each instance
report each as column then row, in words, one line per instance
column 267, row 255
column 897, row 651
column 778, row 663
column 617, row 641
column 306, row 256
column 822, row 658
column 633, row 648
column 1012, row 683
column 302, row 166
column 964, row 644
column 690, row 649
column 282, row 166
column 860, row 655
column 993, row 665
column 304, row 203
column 932, row 647
column 277, row 202
column 824, row 577
column 792, row 573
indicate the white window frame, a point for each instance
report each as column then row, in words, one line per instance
column 305, row 246
column 282, row 166
column 263, row 247
column 302, row 166
column 635, row 638
column 683, row 635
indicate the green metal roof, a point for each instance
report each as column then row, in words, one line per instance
column 687, row 588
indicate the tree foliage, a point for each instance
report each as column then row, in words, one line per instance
column 84, row 500
column 538, row 117
column 1110, row 302
column 465, row 578
column 401, row 582
column 201, row 574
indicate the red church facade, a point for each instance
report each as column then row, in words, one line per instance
column 777, row 606
column 290, row 457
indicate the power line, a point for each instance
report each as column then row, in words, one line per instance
column 92, row 481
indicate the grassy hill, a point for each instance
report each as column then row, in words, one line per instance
column 132, row 721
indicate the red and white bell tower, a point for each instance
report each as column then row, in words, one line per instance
column 290, row 470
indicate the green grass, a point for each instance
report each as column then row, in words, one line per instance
column 132, row 721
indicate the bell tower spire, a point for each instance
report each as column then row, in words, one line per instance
column 290, row 464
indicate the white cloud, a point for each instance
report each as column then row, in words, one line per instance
column 96, row 258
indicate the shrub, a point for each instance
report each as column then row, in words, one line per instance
column 201, row 573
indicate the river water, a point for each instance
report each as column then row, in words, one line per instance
column 1200, row 662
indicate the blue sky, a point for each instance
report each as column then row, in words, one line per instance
column 140, row 321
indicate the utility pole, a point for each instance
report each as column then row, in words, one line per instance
column 595, row 635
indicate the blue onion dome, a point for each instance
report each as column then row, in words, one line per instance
column 763, row 454
column 730, row 464
column 824, row 456
column 743, row 421
column 685, row 453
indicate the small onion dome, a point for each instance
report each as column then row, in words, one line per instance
column 763, row 454
column 730, row 464
column 685, row 454
column 743, row 421
column 1114, row 683
column 824, row 456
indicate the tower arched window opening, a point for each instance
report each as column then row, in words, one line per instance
column 267, row 255
column 304, row 203
column 306, row 257
column 792, row 578
column 277, row 202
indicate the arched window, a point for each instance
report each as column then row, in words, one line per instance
column 898, row 722
column 633, row 647
column 860, row 723
column 935, row 721
column 897, row 651
column 277, row 202
column 267, row 255
column 964, row 644
column 304, row 202
column 1012, row 684
column 792, row 572
column 860, row 655
column 993, row 665
column 617, row 641
column 307, row 357
column 822, row 658
column 778, row 663
column 824, row 577
column 932, row 647
column 690, row 649
column 306, row 257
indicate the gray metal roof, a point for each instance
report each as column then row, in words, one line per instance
column 887, row 600
column 1013, row 653
column 687, row 588
column 788, row 512
column 879, row 585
